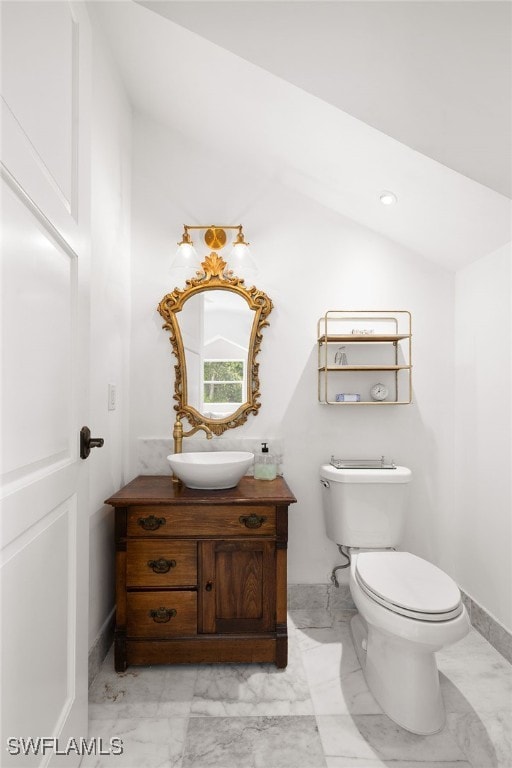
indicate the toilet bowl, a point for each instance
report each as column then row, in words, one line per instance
column 408, row 610
column 407, row 607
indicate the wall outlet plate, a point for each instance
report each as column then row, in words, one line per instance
column 112, row 397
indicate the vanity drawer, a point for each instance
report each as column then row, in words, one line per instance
column 161, row 614
column 203, row 521
column 161, row 563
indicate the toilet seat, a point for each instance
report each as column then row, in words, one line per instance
column 408, row 585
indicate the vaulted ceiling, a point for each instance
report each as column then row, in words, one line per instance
column 436, row 76
column 337, row 107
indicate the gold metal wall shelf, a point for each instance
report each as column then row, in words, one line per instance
column 369, row 342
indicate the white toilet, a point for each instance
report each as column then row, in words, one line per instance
column 408, row 608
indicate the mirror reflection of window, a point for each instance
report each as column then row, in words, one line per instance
column 223, row 382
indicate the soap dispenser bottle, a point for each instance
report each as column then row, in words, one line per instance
column 265, row 466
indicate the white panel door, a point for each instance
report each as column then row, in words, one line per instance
column 45, row 262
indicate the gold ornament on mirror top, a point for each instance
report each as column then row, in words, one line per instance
column 213, row 265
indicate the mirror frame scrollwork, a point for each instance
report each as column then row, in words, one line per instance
column 215, row 277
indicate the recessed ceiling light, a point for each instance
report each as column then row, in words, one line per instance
column 388, row 198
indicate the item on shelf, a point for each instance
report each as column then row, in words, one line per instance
column 340, row 358
column 265, row 465
column 362, row 331
column 348, row 397
column 379, row 392
column 381, row 463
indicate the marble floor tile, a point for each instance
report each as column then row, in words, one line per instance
column 343, row 615
column 481, row 678
column 340, row 599
column 306, row 638
column 478, row 648
column 349, row 695
column 315, row 618
column 160, row 691
column 310, row 597
column 178, row 689
column 376, row 737
column 253, row 742
column 309, row 638
column 134, row 693
column 453, row 697
column 335, row 677
column 227, row 690
column 485, row 739
column 256, row 716
column 355, row 762
column 146, row 743
column 342, row 739
column 102, row 730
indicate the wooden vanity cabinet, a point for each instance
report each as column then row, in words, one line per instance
column 201, row 575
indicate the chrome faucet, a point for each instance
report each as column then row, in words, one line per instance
column 178, row 433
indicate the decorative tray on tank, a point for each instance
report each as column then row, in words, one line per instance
column 381, row 463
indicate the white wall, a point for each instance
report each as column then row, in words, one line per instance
column 110, row 317
column 310, row 260
column 479, row 534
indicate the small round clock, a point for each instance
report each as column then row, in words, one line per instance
column 379, row 392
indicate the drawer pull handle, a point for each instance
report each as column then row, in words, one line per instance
column 209, row 586
column 162, row 615
column 151, row 523
column 162, row 565
column 252, row 521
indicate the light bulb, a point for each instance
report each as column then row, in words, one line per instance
column 241, row 262
column 240, row 252
column 187, row 252
column 186, row 256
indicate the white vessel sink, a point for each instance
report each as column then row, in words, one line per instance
column 211, row 470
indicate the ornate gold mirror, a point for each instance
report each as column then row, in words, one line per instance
column 215, row 326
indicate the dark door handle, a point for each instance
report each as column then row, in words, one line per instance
column 87, row 442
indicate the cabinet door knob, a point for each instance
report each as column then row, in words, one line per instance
column 252, row 521
column 151, row 523
column 209, row 586
column 162, row 615
column 161, row 565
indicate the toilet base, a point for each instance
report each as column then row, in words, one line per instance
column 403, row 678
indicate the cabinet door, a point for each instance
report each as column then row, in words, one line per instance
column 237, row 586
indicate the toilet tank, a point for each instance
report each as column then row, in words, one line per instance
column 365, row 507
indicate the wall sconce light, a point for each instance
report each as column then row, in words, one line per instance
column 186, row 255
column 215, row 238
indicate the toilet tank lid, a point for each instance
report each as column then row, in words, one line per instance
column 397, row 475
